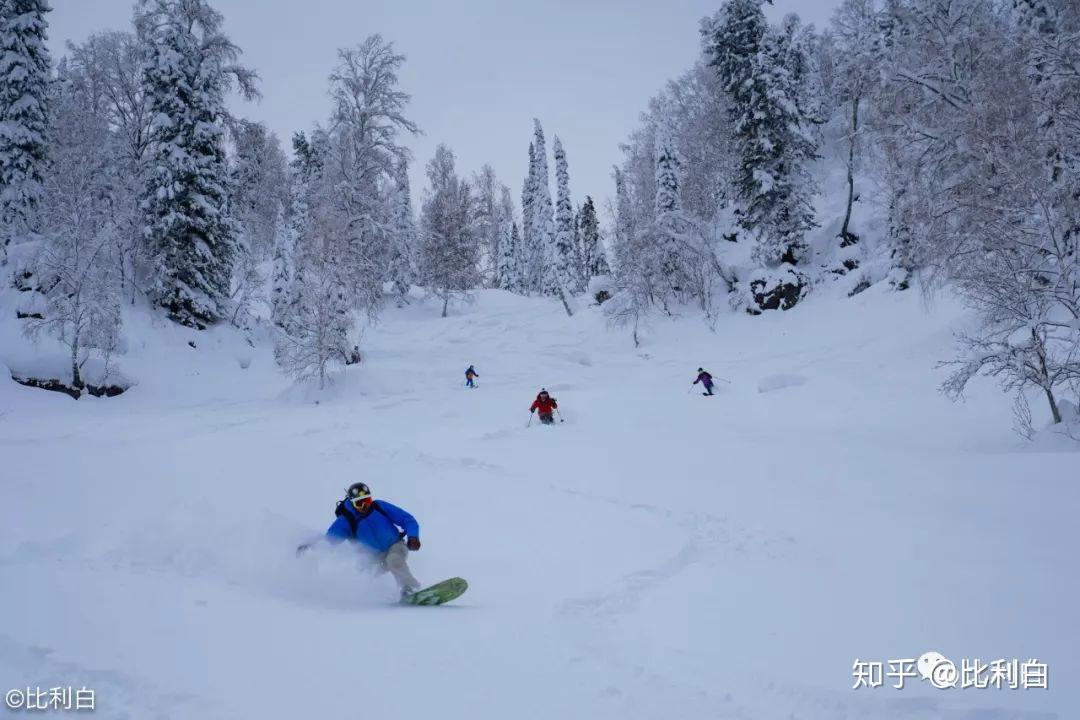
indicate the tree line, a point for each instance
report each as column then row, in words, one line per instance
column 124, row 178
column 958, row 123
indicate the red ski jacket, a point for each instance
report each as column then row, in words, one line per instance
column 544, row 406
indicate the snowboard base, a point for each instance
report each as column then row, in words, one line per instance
column 438, row 593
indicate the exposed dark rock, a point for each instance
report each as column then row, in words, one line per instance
column 863, row 284
column 781, row 296
column 57, row 386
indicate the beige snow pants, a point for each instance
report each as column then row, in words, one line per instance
column 395, row 561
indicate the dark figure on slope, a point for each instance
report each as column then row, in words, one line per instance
column 546, row 405
column 470, row 375
column 706, row 381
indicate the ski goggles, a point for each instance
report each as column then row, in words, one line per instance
column 358, row 494
column 361, row 502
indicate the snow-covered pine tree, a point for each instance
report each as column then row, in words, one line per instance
column 528, row 200
column 508, row 262
column 519, row 243
column 542, row 220
column 668, row 205
column 560, row 268
column 281, row 280
column 625, row 228
column 595, row 258
column 189, row 65
column 403, row 237
column 449, row 253
column 764, row 72
column 24, row 96
column 580, row 273
column 668, row 170
column 510, row 259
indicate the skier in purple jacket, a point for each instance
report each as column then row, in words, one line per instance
column 706, row 380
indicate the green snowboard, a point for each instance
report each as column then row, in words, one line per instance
column 438, row 593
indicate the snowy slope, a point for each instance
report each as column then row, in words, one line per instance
column 658, row 555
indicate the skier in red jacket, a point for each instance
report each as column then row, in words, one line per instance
column 546, row 405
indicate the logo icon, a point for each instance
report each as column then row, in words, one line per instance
column 938, row 669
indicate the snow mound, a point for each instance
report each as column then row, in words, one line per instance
column 1063, row 436
column 773, row 383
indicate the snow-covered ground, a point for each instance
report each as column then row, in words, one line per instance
column 658, row 555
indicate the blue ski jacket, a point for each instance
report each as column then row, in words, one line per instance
column 376, row 531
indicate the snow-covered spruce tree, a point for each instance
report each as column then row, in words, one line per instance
column 189, row 65
column 510, row 268
column 592, row 249
column 529, row 271
column 580, row 275
column 624, row 214
column 24, row 80
column 508, row 272
column 668, row 208
column 542, row 219
column 304, row 170
column 449, row 253
column 403, row 234
column 559, row 279
column 763, row 72
column 282, row 274
column 77, row 264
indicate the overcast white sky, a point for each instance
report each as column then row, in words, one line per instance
column 478, row 70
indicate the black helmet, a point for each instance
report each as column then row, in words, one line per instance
column 358, row 491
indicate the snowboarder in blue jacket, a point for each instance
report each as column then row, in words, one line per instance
column 381, row 528
column 470, row 376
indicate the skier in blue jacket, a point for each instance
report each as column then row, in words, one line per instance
column 384, row 529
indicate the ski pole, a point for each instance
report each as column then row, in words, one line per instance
column 530, row 420
column 560, row 415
